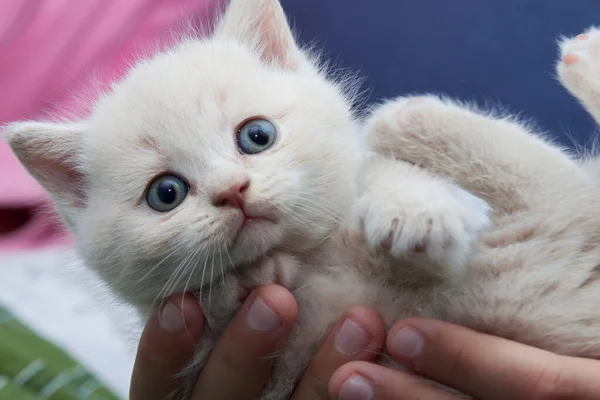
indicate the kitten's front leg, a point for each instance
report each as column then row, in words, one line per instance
column 407, row 212
column 495, row 158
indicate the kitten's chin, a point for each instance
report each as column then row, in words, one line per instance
column 255, row 238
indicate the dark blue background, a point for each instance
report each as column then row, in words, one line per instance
column 499, row 51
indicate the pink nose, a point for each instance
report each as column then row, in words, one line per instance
column 232, row 197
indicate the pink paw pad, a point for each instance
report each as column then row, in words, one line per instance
column 570, row 58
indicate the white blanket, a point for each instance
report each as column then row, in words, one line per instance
column 67, row 305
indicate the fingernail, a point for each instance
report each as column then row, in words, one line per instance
column 356, row 388
column 407, row 343
column 171, row 318
column 261, row 318
column 351, row 339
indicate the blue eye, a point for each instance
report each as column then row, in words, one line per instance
column 166, row 193
column 255, row 136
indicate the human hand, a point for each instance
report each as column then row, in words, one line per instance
column 241, row 357
column 486, row 367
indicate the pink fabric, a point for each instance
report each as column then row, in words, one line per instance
column 50, row 50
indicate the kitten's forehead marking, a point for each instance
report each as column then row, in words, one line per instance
column 148, row 142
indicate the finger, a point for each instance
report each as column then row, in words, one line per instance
column 239, row 365
column 365, row 381
column 490, row 367
column 358, row 335
column 167, row 344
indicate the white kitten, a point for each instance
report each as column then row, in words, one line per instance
column 234, row 161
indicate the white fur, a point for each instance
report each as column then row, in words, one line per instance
column 401, row 224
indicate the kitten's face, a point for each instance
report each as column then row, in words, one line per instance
column 210, row 155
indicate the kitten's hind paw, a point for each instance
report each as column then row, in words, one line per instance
column 579, row 68
column 421, row 130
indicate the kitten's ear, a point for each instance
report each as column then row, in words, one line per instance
column 50, row 152
column 263, row 25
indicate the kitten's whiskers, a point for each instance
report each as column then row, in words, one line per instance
column 171, row 254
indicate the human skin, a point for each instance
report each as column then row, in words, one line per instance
column 487, row 367
column 244, row 353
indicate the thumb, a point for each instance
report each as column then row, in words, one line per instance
column 166, row 346
column 489, row 367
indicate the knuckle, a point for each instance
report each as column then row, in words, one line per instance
column 553, row 383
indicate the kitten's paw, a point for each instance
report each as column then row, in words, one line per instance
column 432, row 222
column 579, row 65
